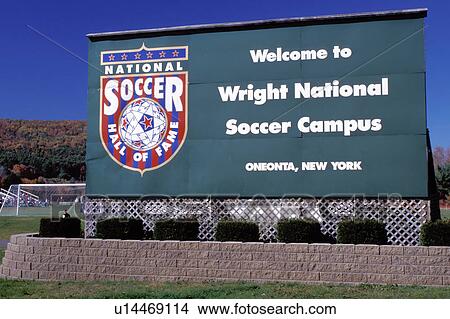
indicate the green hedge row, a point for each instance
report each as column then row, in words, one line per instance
column 362, row 231
column 435, row 233
column 120, row 228
column 176, row 229
column 299, row 231
column 63, row 227
column 235, row 230
column 352, row 231
column 357, row 231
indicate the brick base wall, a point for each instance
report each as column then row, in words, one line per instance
column 29, row 257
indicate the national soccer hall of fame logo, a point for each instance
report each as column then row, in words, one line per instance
column 143, row 105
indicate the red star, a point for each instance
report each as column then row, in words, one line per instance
column 175, row 53
column 162, row 54
column 124, row 122
column 149, row 55
column 147, row 122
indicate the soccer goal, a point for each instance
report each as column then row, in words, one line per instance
column 42, row 199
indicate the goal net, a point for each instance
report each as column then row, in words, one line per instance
column 42, row 199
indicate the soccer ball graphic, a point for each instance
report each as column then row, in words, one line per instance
column 143, row 124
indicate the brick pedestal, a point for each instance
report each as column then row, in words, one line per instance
column 29, row 257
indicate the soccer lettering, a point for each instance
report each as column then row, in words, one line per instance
column 347, row 127
column 259, row 95
column 169, row 88
column 305, row 125
column 143, row 110
column 259, row 56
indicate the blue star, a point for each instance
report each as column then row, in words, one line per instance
column 147, row 122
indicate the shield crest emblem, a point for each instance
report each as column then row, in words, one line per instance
column 143, row 106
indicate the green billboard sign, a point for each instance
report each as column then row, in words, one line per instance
column 324, row 106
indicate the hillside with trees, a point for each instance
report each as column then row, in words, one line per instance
column 441, row 157
column 42, row 151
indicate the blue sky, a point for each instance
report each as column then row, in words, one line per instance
column 40, row 80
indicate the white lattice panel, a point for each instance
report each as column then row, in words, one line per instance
column 402, row 217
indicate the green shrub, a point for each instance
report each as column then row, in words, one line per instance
column 176, row 229
column 63, row 227
column 148, row 234
column 299, row 231
column 120, row 228
column 362, row 231
column 232, row 230
column 435, row 233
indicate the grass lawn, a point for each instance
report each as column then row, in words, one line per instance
column 445, row 213
column 27, row 211
column 10, row 225
column 129, row 289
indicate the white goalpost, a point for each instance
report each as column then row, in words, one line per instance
column 41, row 199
